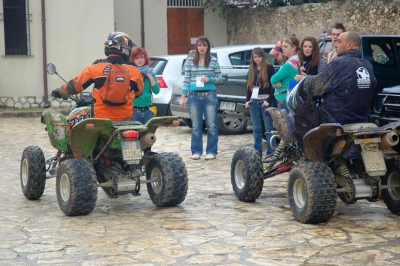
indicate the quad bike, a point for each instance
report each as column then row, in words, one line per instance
column 98, row 152
column 334, row 160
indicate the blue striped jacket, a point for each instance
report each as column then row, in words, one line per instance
column 213, row 73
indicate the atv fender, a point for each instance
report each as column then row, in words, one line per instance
column 83, row 138
column 155, row 122
column 394, row 126
column 317, row 140
column 56, row 129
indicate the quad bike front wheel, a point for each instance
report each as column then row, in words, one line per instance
column 33, row 172
column 247, row 174
column 169, row 179
column 312, row 192
column 75, row 185
column 391, row 196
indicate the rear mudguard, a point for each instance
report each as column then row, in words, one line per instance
column 56, row 129
column 83, row 138
column 155, row 122
column 317, row 140
column 393, row 126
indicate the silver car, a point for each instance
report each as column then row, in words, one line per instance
column 234, row 61
column 167, row 69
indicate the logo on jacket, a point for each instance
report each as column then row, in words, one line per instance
column 363, row 78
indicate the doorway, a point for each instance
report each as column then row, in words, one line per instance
column 184, row 26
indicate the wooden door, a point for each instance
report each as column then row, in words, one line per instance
column 184, row 24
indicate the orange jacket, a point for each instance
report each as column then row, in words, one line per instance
column 95, row 74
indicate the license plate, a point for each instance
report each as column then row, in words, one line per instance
column 227, row 106
column 374, row 163
column 131, row 150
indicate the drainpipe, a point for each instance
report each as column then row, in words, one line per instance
column 46, row 94
column 142, row 21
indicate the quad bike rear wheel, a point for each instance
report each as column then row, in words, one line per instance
column 169, row 178
column 247, row 174
column 391, row 196
column 312, row 192
column 33, row 172
column 75, row 185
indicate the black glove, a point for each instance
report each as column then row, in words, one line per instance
column 56, row 94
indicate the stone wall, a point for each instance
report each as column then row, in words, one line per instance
column 268, row 25
column 32, row 102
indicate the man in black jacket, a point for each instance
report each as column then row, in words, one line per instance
column 346, row 85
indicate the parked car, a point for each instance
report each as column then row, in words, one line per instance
column 234, row 60
column 167, row 69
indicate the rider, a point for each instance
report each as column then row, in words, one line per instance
column 346, row 84
column 118, row 48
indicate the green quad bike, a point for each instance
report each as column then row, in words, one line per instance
column 98, row 152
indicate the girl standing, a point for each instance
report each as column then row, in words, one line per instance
column 309, row 57
column 259, row 96
column 287, row 72
column 201, row 74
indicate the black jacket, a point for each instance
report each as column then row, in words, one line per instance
column 346, row 86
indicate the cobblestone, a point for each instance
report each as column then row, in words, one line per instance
column 211, row 227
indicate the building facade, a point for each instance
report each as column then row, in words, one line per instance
column 70, row 34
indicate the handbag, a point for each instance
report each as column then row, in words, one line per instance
column 307, row 116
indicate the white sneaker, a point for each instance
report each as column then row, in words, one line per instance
column 196, row 157
column 210, row 157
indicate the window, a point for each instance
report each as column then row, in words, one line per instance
column 236, row 58
column 16, row 27
column 185, row 3
column 268, row 57
column 382, row 54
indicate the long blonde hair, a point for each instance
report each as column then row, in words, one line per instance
column 263, row 79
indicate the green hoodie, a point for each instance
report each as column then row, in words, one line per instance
column 144, row 100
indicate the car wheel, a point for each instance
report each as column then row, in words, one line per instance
column 232, row 125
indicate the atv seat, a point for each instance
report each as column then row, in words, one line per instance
column 126, row 123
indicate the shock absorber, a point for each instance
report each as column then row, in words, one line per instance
column 107, row 161
column 58, row 154
column 343, row 169
column 279, row 149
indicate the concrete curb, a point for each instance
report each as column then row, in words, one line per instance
column 31, row 112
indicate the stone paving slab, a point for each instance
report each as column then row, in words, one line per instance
column 211, row 227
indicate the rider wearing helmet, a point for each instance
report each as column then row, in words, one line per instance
column 118, row 48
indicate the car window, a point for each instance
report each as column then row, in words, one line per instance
column 158, row 64
column 380, row 52
column 268, row 57
column 237, row 59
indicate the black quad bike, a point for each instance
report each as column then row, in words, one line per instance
column 98, row 152
column 334, row 160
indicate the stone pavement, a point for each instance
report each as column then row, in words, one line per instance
column 211, row 227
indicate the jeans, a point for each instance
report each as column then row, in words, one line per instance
column 258, row 116
column 282, row 105
column 207, row 106
column 142, row 117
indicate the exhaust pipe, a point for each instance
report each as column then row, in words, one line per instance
column 272, row 142
column 147, row 140
column 388, row 140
